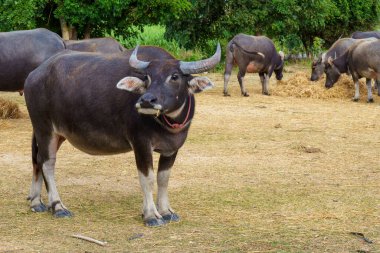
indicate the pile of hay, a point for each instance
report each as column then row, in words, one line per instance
column 9, row 110
column 299, row 85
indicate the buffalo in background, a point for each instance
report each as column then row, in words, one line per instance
column 253, row 54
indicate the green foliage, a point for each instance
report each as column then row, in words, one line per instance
column 154, row 35
column 20, row 14
column 295, row 24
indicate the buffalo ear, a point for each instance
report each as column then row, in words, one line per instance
column 199, row 84
column 132, row 84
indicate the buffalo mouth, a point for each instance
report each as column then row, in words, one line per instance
column 154, row 109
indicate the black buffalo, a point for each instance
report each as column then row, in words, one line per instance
column 110, row 104
column 253, row 54
column 23, row 51
column 101, row 45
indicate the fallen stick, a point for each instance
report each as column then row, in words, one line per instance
column 90, row 239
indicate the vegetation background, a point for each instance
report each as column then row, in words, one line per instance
column 295, row 25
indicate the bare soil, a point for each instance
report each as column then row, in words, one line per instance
column 257, row 174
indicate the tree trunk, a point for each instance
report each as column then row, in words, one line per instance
column 87, row 32
column 64, row 29
column 73, row 33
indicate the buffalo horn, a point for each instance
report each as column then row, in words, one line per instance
column 136, row 63
column 196, row 67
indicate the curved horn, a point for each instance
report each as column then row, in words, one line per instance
column 196, row 67
column 136, row 63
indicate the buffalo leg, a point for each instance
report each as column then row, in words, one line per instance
column 36, row 203
column 240, row 78
column 227, row 72
column 357, row 90
column 164, row 167
column 46, row 156
column 144, row 161
column 369, row 90
column 266, row 85
column 377, row 86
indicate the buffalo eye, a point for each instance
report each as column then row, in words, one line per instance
column 175, row 77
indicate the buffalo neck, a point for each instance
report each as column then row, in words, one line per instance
column 341, row 63
column 177, row 122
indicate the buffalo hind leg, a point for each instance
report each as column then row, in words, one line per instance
column 46, row 157
column 240, row 78
column 164, row 167
column 227, row 71
column 36, row 204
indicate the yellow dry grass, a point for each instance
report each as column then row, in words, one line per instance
column 257, row 174
column 9, row 109
column 299, row 85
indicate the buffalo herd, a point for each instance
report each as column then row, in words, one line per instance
column 105, row 99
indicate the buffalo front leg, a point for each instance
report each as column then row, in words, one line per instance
column 240, row 78
column 164, row 167
column 357, row 90
column 369, row 90
column 264, row 79
column 144, row 161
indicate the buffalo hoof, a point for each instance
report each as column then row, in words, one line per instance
column 266, row 93
column 154, row 222
column 63, row 213
column 226, row 94
column 245, row 94
column 39, row 208
column 172, row 217
column 355, row 99
column 370, row 100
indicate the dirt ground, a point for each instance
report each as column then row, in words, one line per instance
column 257, row 174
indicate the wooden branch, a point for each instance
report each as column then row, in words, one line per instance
column 90, row 239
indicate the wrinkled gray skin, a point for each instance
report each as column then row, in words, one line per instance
column 363, row 60
column 253, row 54
column 364, row 35
column 336, row 50
column 101, row 45
column 23, row 51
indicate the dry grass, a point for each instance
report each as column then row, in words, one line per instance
column 257, row 174
column 9, row 109
column 299, row 85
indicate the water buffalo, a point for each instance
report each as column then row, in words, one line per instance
column 336, row 50
column 362, row 59
column 253, row 54
column 364, row 35
column 23, row 51
column 101, row 45
column 140, row 101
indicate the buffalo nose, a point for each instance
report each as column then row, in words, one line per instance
column 147, row 100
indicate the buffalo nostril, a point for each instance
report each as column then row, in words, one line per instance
column 147, row 100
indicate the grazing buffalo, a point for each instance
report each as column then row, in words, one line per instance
column 362, row 59
column 253, row 54
column 23, row 51
column 140, row 101
column 364, row 35
column 101, row 45
column 336, row 50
